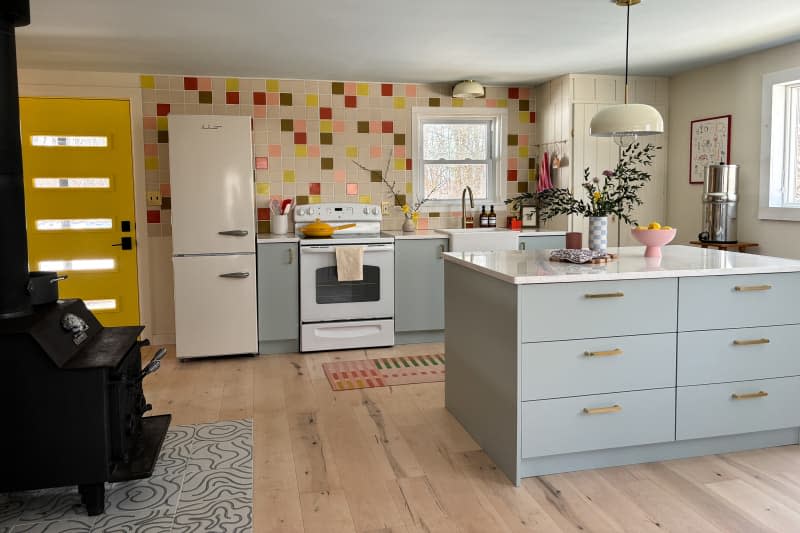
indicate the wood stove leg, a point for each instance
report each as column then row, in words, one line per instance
column 93, row 496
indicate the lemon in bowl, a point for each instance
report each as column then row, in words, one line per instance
column 654, row 236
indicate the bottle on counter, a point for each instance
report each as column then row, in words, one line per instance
column 484, row 218
column 492, row 218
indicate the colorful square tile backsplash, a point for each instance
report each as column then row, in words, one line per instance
column 306, row 134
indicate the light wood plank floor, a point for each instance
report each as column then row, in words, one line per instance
column 394, row 460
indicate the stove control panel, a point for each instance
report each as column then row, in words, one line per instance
column 336, row 212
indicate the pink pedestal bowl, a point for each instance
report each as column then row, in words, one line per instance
column 654, row 239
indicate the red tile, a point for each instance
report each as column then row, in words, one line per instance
column 386, row 89
column 262, row 162
column 533, row 117
column 232, row 97
column 299, row 137
column 325, row 113
column 350, row 100
column 387, row 126
column 263, row 213
column 189, row 84
column 162, row 110
column 154, row 216
column 259, row 98
column 513, row 93
column 408, row 163
column 512, row 175
column 314, row 188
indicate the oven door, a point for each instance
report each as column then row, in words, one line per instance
column 325, row 299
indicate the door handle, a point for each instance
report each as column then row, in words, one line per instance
column 750, row 395
column 606, row 353
column 235, row 275
column 125, row 242
column 234, row 233
column 441, row 251
column 604, row 295
column 752, row 288
column 750, row 342
column 616, row 408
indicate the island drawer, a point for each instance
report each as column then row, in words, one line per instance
column 741, row 407
column 597, row 366
column 721, row 302
column 563, row 311
column 724, row 355
column 569, row 425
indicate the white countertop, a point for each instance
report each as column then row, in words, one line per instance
column 419, row 234
column 264, row 238
column 534, row 266
column 521, row 233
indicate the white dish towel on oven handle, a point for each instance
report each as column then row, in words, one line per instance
column 350, row 263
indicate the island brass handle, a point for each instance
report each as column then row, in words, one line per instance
column 602, row 410
column 751, row 288
column 605, row 295
column 615, row 351
column 749, row 396
column 750, row 342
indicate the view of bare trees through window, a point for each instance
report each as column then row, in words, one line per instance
column 456, row 155
column 796, row 195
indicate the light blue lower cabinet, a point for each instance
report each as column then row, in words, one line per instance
column 419, row 290
column 740, row 407
column 278, row 298
column 569, row 425
column 545, row 242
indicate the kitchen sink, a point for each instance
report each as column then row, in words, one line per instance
column 481, row 239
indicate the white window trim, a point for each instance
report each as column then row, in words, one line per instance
column 499, row 148
column 772, row 153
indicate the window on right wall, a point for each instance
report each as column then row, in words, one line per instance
column 779, row 197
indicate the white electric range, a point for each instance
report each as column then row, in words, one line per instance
column 338, row 315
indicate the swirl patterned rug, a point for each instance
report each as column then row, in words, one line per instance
column 203, row 481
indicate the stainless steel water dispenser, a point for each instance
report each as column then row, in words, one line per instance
column 719, row 204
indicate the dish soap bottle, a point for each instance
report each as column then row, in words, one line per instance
column 484, row 218
column 492, row 219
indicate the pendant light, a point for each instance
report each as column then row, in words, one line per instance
column 468, row 89
column 626, row 122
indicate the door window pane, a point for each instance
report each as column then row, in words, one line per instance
column 330, row 290
column 72, row 141
column 79, row 224
column 61, row 265
column 101, row 305
column 71, row 183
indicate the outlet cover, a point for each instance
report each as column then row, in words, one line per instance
column 385, row 206
column 154, row 199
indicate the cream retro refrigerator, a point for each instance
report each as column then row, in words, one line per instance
column 213, row 235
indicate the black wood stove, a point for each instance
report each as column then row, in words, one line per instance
column 71, row 389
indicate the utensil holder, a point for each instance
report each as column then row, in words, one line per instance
column 279, row 224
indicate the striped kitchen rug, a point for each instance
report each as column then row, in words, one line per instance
column 385, row 371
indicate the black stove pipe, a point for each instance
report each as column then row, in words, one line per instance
column 14, row 298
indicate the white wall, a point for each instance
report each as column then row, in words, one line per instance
column 732, row 87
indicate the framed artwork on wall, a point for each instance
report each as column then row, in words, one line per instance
column 528, row 215
column 709, row 144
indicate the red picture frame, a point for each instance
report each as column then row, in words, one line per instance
column 709, row 143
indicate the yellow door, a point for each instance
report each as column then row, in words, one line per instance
column 79, row 201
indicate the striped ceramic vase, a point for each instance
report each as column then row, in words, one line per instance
column 598, row 234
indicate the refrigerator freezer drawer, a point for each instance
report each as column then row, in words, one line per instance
column 215, row 305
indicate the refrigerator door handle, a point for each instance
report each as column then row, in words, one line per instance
column 235, row 275
column 234, row 232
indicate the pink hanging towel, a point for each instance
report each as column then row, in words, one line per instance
column 544, row 174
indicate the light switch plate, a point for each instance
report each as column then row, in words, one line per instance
column 154, row 199
column 385, row 206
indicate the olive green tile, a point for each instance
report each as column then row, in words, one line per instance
column 263, row 226
column 301, row 200
column 326, row 163
column 362, row 126
column 326, row 138
column 522, row 186
column 399, row 139
column 375, row 176
column 531, row 162
column 163, row 137
column 524, row 105
column 287, row 124
column 286, row 99
column 434, row 102
column 434, row 214
column 513, row 140
column 204, row 97
column 337, row 87
column 166, row 202
column 399, row 199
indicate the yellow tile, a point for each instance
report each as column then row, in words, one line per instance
column 458, row 102
column 409, row 188
column 399, row 102
column 365, row 199
column 162, row 123
column 288, row 176
column 399, row 164
column 147, row 82
column 273, row 86
column 351, row 151
column 232, row 84
column 523, row 151
column 362, row 89
column 502, row 103
column 151, row 163
column 532, row 174
column 300, row 150
column 325, row 126
column 262, row 189
column 524, row 117
column 314, row 199
column 312, row 100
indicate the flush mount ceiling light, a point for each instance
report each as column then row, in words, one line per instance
column 468, row 89
column 626, row 122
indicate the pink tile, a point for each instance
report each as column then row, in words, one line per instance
column 491, row 102
column 338, row 126
column 314, row 188
column 151, row 150
column 273, row 99
column 349, row 88
column 352, row 189
column 300, row 125
column 313, row 150
column 339, row 176
column 512, row 163
column 165, row 189
column 399, row 151
column 203, row 84
column 374, row 126
column 524, row 93
column 260, row 111
column 262, row 162
column 150, row 123
column 375, row 152
column 522, row 140
column 411, row 90
column 274, row 150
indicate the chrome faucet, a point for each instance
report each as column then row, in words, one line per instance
column 464, row 207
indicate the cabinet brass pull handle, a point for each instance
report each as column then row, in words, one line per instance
column 751, row 288
column 522, row 246
column 441, row 251
column 750, row 395
column 602, row 410
column 750, row 342
column 291, row 256
column 606, row 353
column 605, row 295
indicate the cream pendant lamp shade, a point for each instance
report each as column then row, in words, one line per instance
column 626, row 122
column 468, row 89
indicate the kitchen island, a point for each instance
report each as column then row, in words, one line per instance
column 555, row 367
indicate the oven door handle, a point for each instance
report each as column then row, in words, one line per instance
column 331, row 249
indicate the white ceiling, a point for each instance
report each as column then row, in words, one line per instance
column 496, row 42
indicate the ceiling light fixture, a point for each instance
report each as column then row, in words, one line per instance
column 468, row 89
column 626, row 122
